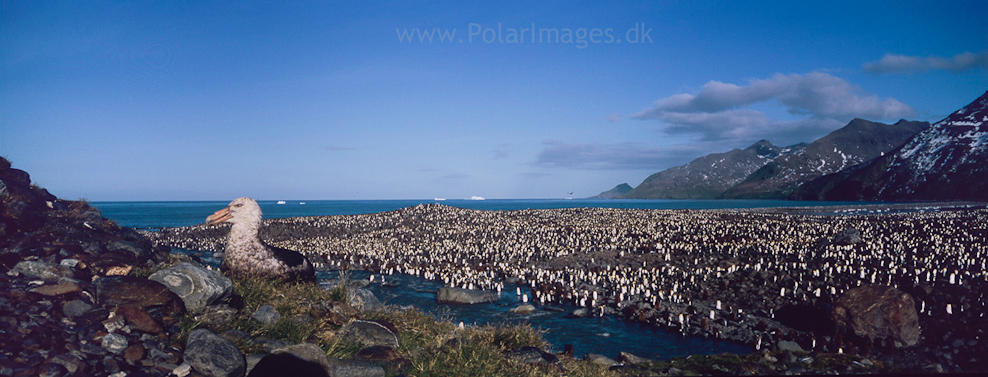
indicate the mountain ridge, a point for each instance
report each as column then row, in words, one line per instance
column 708, row 176
column 765, row 171
column 859, row 141
column 946, row 161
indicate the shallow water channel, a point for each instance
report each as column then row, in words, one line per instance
column 606, row 335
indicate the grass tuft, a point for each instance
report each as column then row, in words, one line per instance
column 431, row 347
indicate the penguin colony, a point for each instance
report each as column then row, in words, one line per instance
column 723, row 273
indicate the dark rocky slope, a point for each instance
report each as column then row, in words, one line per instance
column 947, row 161
column 857, row 142
column 615, row 193
column 63, row 291
column 709, row 176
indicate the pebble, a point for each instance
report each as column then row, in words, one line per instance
column 57, row 289
column 182, row 370
column 75, row 308
column 115, row 343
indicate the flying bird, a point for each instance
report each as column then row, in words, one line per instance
column 246, row 254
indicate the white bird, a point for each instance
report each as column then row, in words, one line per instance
column 246, row 254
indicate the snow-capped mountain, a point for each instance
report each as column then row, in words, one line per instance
column 709, row 176
column 947, row 161
column 857, row 142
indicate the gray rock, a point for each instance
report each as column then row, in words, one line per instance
column 362, row 299
column 197, row 286
column 266, row 314
column 115, row 343
column 523, row 309
column 789, row 358
column 218, row 314
column 75, row 308
column 92, row 349
column 790, row 346
column 71, row 363
column 532, row 355
column 849, row 236
column 137, row 251
column 182, row 370
column 353, row 368
column 631, row 359
column 580, row 313
column 41, row 270
column 369, row 334
column 213, row 355
column 307, row 359
column 271, row 344
column 449, row 295
column 252, row 361
column 600, row 359
column 69, row 262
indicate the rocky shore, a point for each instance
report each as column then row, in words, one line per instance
column 768, row 279
column 83, row 296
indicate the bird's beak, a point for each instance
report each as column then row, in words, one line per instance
column 219, row 216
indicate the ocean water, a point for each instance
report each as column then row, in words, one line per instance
column 150, row 215
column 607, row 336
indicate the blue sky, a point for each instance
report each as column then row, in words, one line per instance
column 332, row 100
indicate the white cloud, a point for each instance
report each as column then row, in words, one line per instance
column 894, row 63
column 719, row 111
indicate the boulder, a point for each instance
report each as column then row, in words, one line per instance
column 600, row 359
column 354, row 368
column 449, row 295
column 878, row 311
column 266, row 314
column 369, row 334
column 213, row 355
column 631, row 359
column 579, row 313
column 788, row 346
column 40, row 270
column 197, row 286
column 131, row 249
column 381, row 354
column 849, row 236
column 523, row 309
column 304, row 359
column 362, row 299
column 532, row 355
column 154, row 297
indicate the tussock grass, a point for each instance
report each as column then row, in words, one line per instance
column 432, row 347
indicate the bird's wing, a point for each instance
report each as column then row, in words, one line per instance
column 291, row 258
